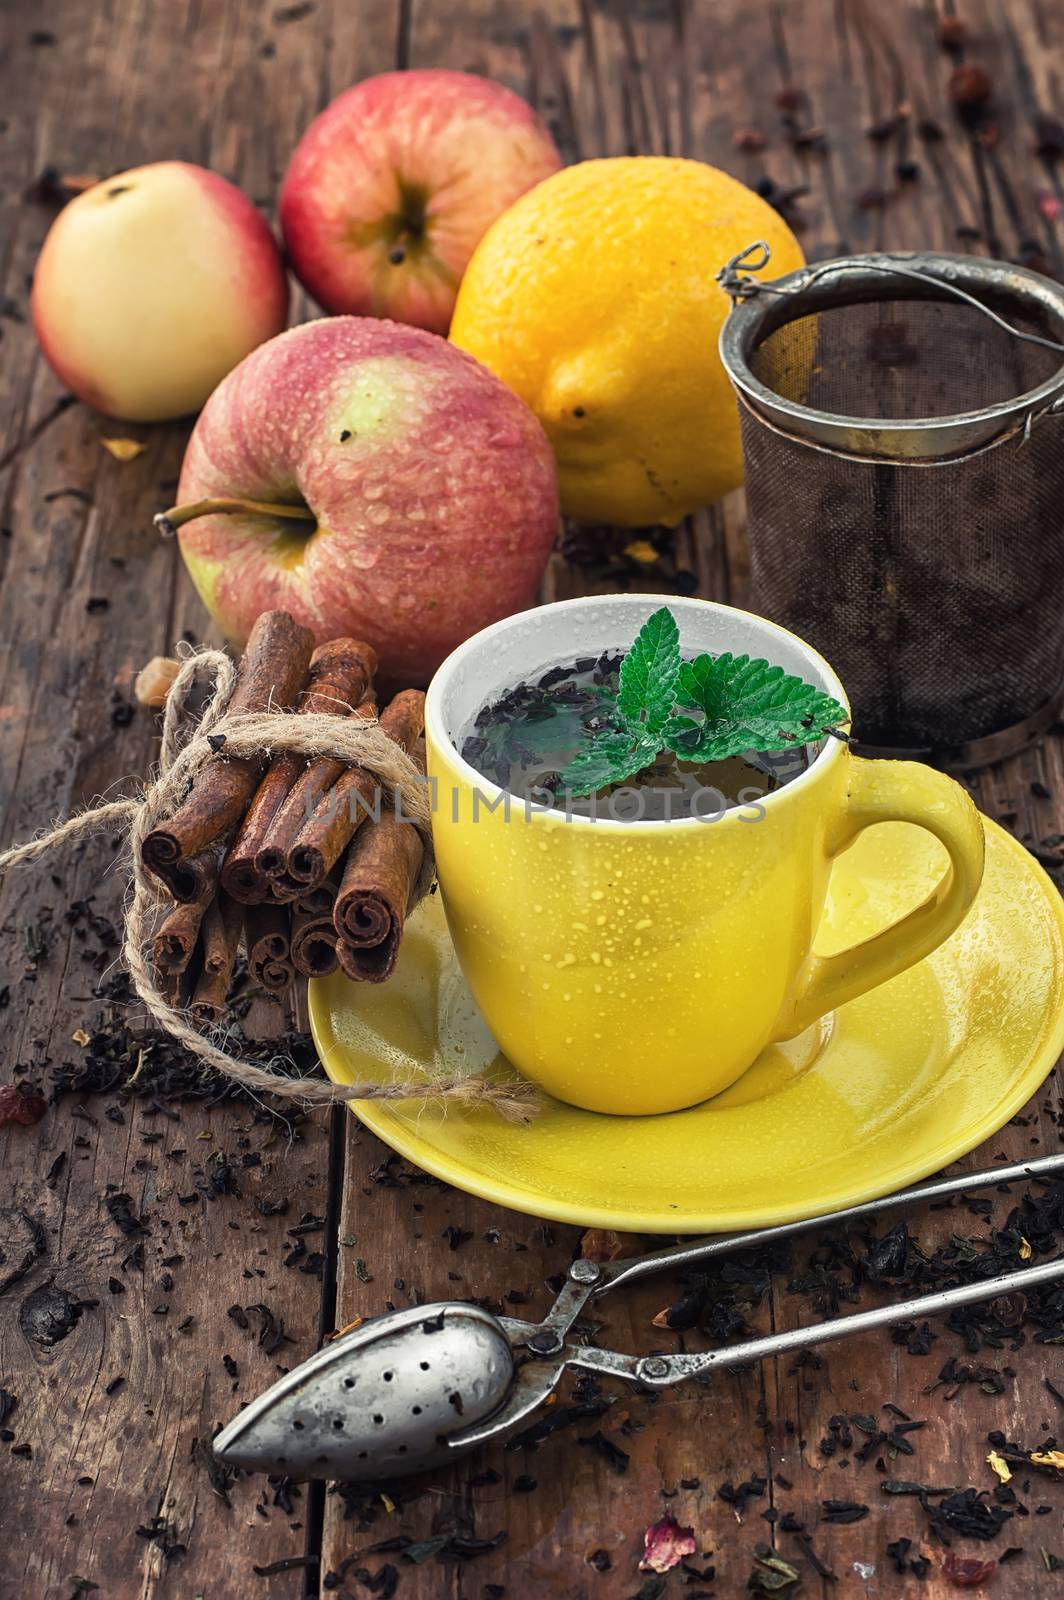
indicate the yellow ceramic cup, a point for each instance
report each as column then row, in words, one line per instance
column 633, row 966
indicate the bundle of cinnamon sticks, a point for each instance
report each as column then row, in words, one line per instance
column 304, row 862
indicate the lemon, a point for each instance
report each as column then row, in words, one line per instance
column 594, row 297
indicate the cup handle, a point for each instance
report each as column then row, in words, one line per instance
column 895, row 791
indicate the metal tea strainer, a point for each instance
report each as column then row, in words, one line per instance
column 422, row 1387
column 904, row 454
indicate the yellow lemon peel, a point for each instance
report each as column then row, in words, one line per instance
column 595, row 298
column 123, row 449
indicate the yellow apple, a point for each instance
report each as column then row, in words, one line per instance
column 154, row 284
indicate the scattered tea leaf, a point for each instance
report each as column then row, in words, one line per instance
column 770, row 1574
column 425, row 1549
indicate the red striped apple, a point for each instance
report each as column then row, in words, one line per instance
column 152, row 285
column 392, row 187
column 372, row 480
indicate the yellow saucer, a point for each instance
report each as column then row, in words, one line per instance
column 893, row 1087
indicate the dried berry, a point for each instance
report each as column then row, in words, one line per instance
column 951, row 33
column 970, row 86
column 749, row 139
column 790, row 99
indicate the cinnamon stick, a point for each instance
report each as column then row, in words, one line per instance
column 314, row 943
column 316, row 779
column 324, row 836
column 175, row 938
column 322, row 898
column 376, row 889
column 271, row 673
column 267, row 936
column 177, row 987
column 219, row 943
column 191, row 878
column 340, row 673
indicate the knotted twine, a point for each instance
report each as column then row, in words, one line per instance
column 185, row 749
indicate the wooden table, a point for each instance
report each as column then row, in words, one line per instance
column 102, row 1476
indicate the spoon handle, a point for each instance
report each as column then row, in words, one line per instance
column 614, row 1273
column 660, row 1371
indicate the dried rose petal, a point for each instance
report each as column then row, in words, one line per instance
column 665, row 1544
column 602, row 1244
column 1050, row 207
column 21, row 1106
column 965, row 1572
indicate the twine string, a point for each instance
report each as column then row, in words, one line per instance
column 184, row 751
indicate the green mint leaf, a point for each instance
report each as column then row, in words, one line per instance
column 681, row 734
column 748, row 705
column 609, row 758
column 649, row 672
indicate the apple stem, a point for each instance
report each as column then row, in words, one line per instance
column 168, row 522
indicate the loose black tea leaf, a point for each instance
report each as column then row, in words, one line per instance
column 611, row 1453
column 843, row 1511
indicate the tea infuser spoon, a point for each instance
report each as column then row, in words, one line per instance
column 421, row 1387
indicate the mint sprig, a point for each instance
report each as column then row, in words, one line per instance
column 649, row 673
column 702, row 710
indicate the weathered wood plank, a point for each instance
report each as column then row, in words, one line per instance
column 609, row 78
column 231, row 85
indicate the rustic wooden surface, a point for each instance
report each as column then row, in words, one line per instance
column 232, row 83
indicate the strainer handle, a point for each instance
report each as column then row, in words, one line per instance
column 895, row 791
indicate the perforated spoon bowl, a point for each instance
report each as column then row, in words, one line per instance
column 380, row 1401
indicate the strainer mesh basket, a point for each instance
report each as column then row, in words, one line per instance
column 925, row 562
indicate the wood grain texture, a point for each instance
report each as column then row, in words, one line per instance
column 232, row 83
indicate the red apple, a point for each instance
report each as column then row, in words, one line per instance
column 373, row 480
column 392, row 187
column 152, row 285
